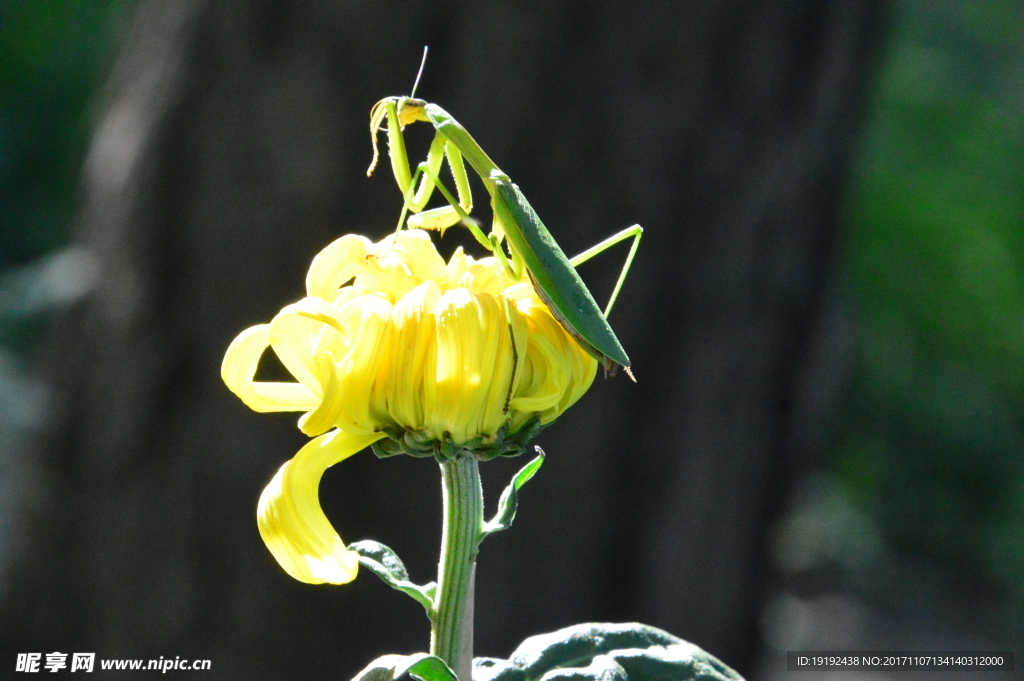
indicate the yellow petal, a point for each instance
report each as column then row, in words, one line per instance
column 336, row 264
column 239, row 368
column 412, row 341
column 293, row 525
column 357, row 369
column 454, row 369
column 303, row 330
column 417, row 251
column 486, row 276
column 558, row 371
column 504, row 320
column 457, row 266
column 318, row 310
column 324, row 417
column 400, row 263
column 545, row 379
column 469, row 333
column 521, row 291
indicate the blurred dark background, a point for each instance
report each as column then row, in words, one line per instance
column 826, row 319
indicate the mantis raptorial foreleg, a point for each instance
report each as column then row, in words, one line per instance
column 444, row 217
column 455, row 207
column 438, row 219
column 427, row 172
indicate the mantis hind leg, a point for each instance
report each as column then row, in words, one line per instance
column 636, row 231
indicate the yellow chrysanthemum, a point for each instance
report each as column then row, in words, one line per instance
column 393, row 347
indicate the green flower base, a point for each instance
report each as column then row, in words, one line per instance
column 422, row 444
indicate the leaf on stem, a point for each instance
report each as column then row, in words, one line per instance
column 509, row 501
column 420, row 665
column 382, row 561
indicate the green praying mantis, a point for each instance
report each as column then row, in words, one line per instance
column 515, row 222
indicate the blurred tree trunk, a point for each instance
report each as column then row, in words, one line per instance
column 233, row 147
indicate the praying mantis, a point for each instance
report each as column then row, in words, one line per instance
column 515, row 222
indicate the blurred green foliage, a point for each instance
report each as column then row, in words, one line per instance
column 53, row 55
column 932, row 436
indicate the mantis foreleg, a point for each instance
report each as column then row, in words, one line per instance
column 440, row 148
column 444, row 217
column 492, row 242
column 453, row 206
column 435, row 157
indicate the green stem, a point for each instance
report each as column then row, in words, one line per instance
column 451, row 636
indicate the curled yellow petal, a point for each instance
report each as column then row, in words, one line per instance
column 357, row 370
column 556, row 371
column 239, row 368
column 324, row 417
column 401, row 262
column 293, row 525
column 418, row 252
column 336, row 264
column 302, row 331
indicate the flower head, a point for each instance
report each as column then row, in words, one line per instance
column 393, row 347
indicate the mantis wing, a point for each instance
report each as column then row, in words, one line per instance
column 554, row 278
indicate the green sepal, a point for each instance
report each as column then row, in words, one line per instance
column 605, row 652
column 482, row 448
column 509, row 501
column 393, row 667
column 385, row 563
column 385, row 448
column 401, row 441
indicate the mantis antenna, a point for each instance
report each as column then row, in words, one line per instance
column 423, row 63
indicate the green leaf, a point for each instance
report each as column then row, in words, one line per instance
column 385, row 563
column 420, row 665
column 605, row 652
column 509, row 501
column 430, row 668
